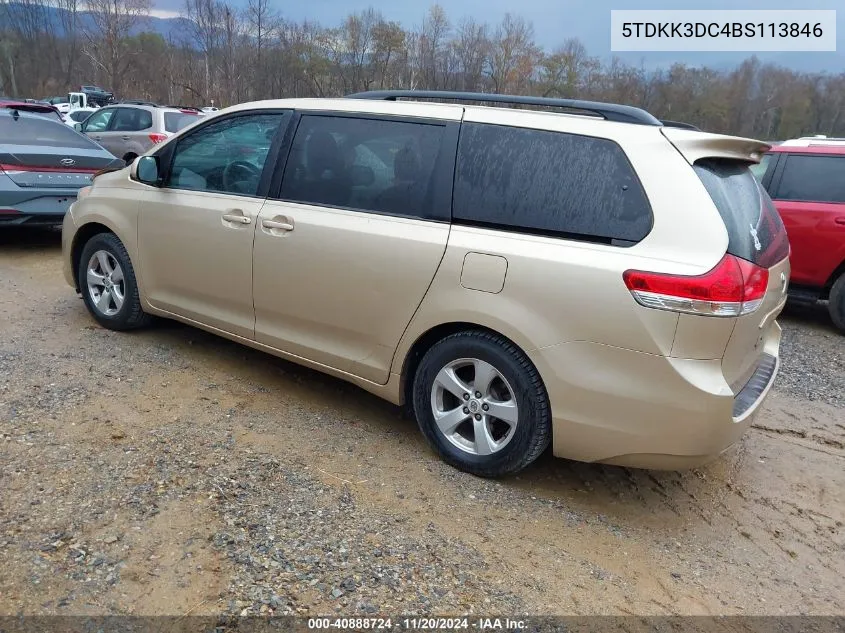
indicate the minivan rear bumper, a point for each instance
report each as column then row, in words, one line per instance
column 618, row 406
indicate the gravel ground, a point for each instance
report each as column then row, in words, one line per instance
column 814, row 367
column 172, row 472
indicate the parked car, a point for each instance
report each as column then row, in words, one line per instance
column 806, row 180
column 43, row 164
column 128, row 130
column 41, row 109
column 78, row 116
column 518, row 278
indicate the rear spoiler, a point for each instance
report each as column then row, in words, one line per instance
column 680, row 125
column 694, row 145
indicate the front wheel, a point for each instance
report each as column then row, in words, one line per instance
column 481, row 405
column 106, row 279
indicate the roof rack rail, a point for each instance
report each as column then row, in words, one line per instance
column 181, row 107
column 137, row 102
column 679, row 124
column 608, row 111
column 821, row 137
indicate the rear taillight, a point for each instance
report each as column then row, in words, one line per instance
column 158, row 138
column 733, row 288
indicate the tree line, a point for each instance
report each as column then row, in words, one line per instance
column 226, row 55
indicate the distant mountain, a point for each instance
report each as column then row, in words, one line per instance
column 171, row 29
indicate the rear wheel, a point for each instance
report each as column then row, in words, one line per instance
column 836, row 303
column 106, row 279
column 129, row 158
column 481, row 405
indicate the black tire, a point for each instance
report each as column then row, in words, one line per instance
column 533, row 431
column 129, row 158
column 130, row 315
column 836, row 303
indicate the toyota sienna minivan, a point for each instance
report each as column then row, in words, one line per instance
column 561, row 273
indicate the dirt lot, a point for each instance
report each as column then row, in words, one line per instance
column 170, row 472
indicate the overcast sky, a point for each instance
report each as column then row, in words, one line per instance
column 554, row 20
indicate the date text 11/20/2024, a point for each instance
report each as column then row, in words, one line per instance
column 417, row 624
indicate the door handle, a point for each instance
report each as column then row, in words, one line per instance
column 124, row 138
column 840, row 220
column 277, row 224
column 237, row 218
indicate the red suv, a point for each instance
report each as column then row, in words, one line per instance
column 806, row 180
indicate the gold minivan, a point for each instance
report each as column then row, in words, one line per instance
column 578, row 274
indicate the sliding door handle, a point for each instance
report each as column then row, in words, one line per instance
column 278, row 225
column 238, row 219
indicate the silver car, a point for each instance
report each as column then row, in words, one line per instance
column 128, row 130
column 43, row 164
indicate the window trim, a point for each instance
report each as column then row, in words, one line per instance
column 165, row 154
column 552, row 233
column 778, row 178
column 443, row 174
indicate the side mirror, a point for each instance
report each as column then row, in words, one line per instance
column 77, row 127
column 146, row 170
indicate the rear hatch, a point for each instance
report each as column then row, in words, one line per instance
column 757, row 246
column 728, row 313
column 755, row 234
column 40, row 153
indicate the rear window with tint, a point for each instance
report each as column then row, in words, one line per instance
column 175, row 121
column 131, row 120
column 40, row 131
column 550, row 183
column 755, row 230
column 813, row 179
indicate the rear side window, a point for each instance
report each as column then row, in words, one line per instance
column 755, row 230
column 41, row 132
column 548, row 183
column 813, row 179
column 132, row 120
column 382, row 166
column 175, row 121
